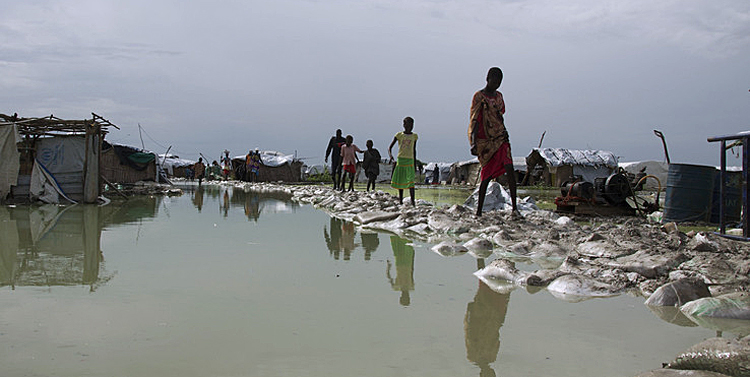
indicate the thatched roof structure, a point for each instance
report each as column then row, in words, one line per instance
column 54, row 126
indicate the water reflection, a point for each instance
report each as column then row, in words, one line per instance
column 252, row 206
column 252, row 203
column 484, row 318
column 339, row 237
column 197, row 197
column 53, row 245
column 370, row 242
column 224, row 207
column 404, row 261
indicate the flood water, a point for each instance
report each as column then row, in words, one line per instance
column 222, row 282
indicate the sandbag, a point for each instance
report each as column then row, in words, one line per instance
column 732, row 305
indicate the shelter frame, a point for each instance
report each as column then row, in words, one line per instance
column 744, row 137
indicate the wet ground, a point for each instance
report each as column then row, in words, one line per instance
column 223, row 282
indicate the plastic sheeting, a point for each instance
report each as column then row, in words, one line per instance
column 44, row 187
column 10, row 158
column 444, row 170
column 62, row 154
column 560, row 156
column 497, row 198
column 659, row 170
column 274, row 159
column 172, row 161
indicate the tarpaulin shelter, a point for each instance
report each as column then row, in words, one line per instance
column 274, row 167
column 51, row 159
column 554, row 166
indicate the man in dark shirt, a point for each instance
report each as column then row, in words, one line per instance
column 334, row 145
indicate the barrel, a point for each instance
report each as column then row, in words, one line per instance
column 689, row 192
column 732, row 198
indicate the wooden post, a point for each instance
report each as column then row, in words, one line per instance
column 91, row 185
column 92, row 234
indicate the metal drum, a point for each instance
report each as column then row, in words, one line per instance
column 689, row 192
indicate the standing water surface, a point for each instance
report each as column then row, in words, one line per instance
column 223, row 282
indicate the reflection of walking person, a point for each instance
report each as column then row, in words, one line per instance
column 484, row 317
column 332, row 235
column 198, row 198
column 404, row 172
column 489, row 138
column 225, row 207
column 404, row 281
column 252, row 206
column 370, row 243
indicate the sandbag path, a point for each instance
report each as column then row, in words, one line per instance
column 608, row 255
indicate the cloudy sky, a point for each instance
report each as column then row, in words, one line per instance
column 204, row 76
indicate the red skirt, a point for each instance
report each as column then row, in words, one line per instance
column 495, row 167
column 352, row 169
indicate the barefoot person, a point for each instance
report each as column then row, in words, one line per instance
column 488, row 137
column 334, row 145
column 404, row 172
column 349, row 162
column 371, row 164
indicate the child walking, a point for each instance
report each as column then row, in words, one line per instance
column 404, row 172
column 371, row 164
column 349, row 161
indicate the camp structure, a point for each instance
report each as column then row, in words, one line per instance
column 51, row 159
column 437, row 172
column 274, row 167
column 174, row 166
column 660, row 170
column 469, row 172
column 385, row 171
column 554, row 166
column 127, row 165
column 54, row 160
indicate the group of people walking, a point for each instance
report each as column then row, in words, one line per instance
column 488, row 140
column 226, row 169
column 344, row 158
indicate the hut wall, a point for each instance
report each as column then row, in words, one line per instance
column 560, row 174
column 70, row 183
column 290, row 172
column 113, row 171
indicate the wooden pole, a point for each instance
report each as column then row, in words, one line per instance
column 91, row 185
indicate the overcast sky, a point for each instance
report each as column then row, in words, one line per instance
column 204, row 76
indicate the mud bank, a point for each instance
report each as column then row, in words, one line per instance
column 608, row 257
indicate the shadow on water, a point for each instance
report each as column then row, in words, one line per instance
column 52, row 245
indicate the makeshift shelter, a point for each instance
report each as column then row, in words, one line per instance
column 174, row 166
column 468, row 172
column 443, row 172
column 55, row 159
column 384, row 174
column 554, row 166
column 125, row 164
column 274, row 167
column 658, row 169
